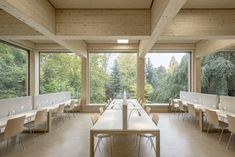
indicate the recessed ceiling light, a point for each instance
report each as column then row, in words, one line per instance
column 122, row 41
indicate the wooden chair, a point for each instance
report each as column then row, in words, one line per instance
column 59, row 114
column 182, row 108
column 174, row 106
column 155, row 119
column 212, row 119
column 231, row 128
column 13, row 128
column 101, row 109
column 70, row 109
column 148, row 110
column 39, row 121
column 94, row 119
column 192, row 111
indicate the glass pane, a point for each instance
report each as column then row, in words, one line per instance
column 110, row 74
column 166, row 74
column 13, row 71
column 218, row 73
column 60, row 72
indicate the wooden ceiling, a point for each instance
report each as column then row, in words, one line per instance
column 207, row 4
column 101, row 4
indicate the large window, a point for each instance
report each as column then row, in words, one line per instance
column 110, row 74
column 60, row 72
column 218, row 73
column 166, row 74
column 13, row 71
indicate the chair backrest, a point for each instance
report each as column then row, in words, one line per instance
column 94, row 118
column 231, row 123
column 61, row 109
column 72, row 105
column 212, row 117
column 181, row 105
column 148, row 110
column 14, row 126
column 101, row 109
column 41, row 116
column 191, row 109
column 155, row 118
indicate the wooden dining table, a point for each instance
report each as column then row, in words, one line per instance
column 30, row 115
column 110, row 122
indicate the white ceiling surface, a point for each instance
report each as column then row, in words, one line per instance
column 197, row 4
column 101, row 4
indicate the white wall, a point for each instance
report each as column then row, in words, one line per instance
column 17, row 105
column 210, row 100
column 49, row 99
column 227, row 103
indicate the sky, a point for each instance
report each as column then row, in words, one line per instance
column 163, row 59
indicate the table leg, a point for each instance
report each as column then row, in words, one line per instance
column 201, row 121
column 92, row 143
column 49, row 123
column 158, row 144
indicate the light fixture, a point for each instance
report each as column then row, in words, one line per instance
column 122, row 41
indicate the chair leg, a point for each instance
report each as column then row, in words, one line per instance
column 208, row 128
column 98, row 142
column 136, row 140
column 152, row 143
column 21, row 142
column 221, row 135
column 110, row 146
column 139, row 146
column 230, row 138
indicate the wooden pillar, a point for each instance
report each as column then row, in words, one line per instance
column 85, row 98
column 196, row 74
column 34, row 72
column 140, row 78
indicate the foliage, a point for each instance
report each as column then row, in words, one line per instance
column 111, row 73
column 218, row 74
column 118, row 72
column 13, row 71
column 60, row 72
column 166, row 83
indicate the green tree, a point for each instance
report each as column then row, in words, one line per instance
column 13, row 71
column 115, row 82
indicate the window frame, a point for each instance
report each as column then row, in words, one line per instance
column 190, row 66
column 107, row 51
column 28, row 64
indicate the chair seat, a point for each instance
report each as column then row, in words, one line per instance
column 176, row 106
column 29, row 125
column 223, row 125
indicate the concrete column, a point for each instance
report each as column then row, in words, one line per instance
column 85, row 98
column 196, row 74
column 140, row 78
column 34, row 73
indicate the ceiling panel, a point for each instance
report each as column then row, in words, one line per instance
column 209, row 4
column 101, row 4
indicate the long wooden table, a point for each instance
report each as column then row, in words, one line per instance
column 30, row 115
column 222, row 115
column 110, row 122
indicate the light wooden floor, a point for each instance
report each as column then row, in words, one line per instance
column 178, row 138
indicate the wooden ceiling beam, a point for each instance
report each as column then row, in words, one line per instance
column 162, row 13
column 206, row 47
column 40, row 15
